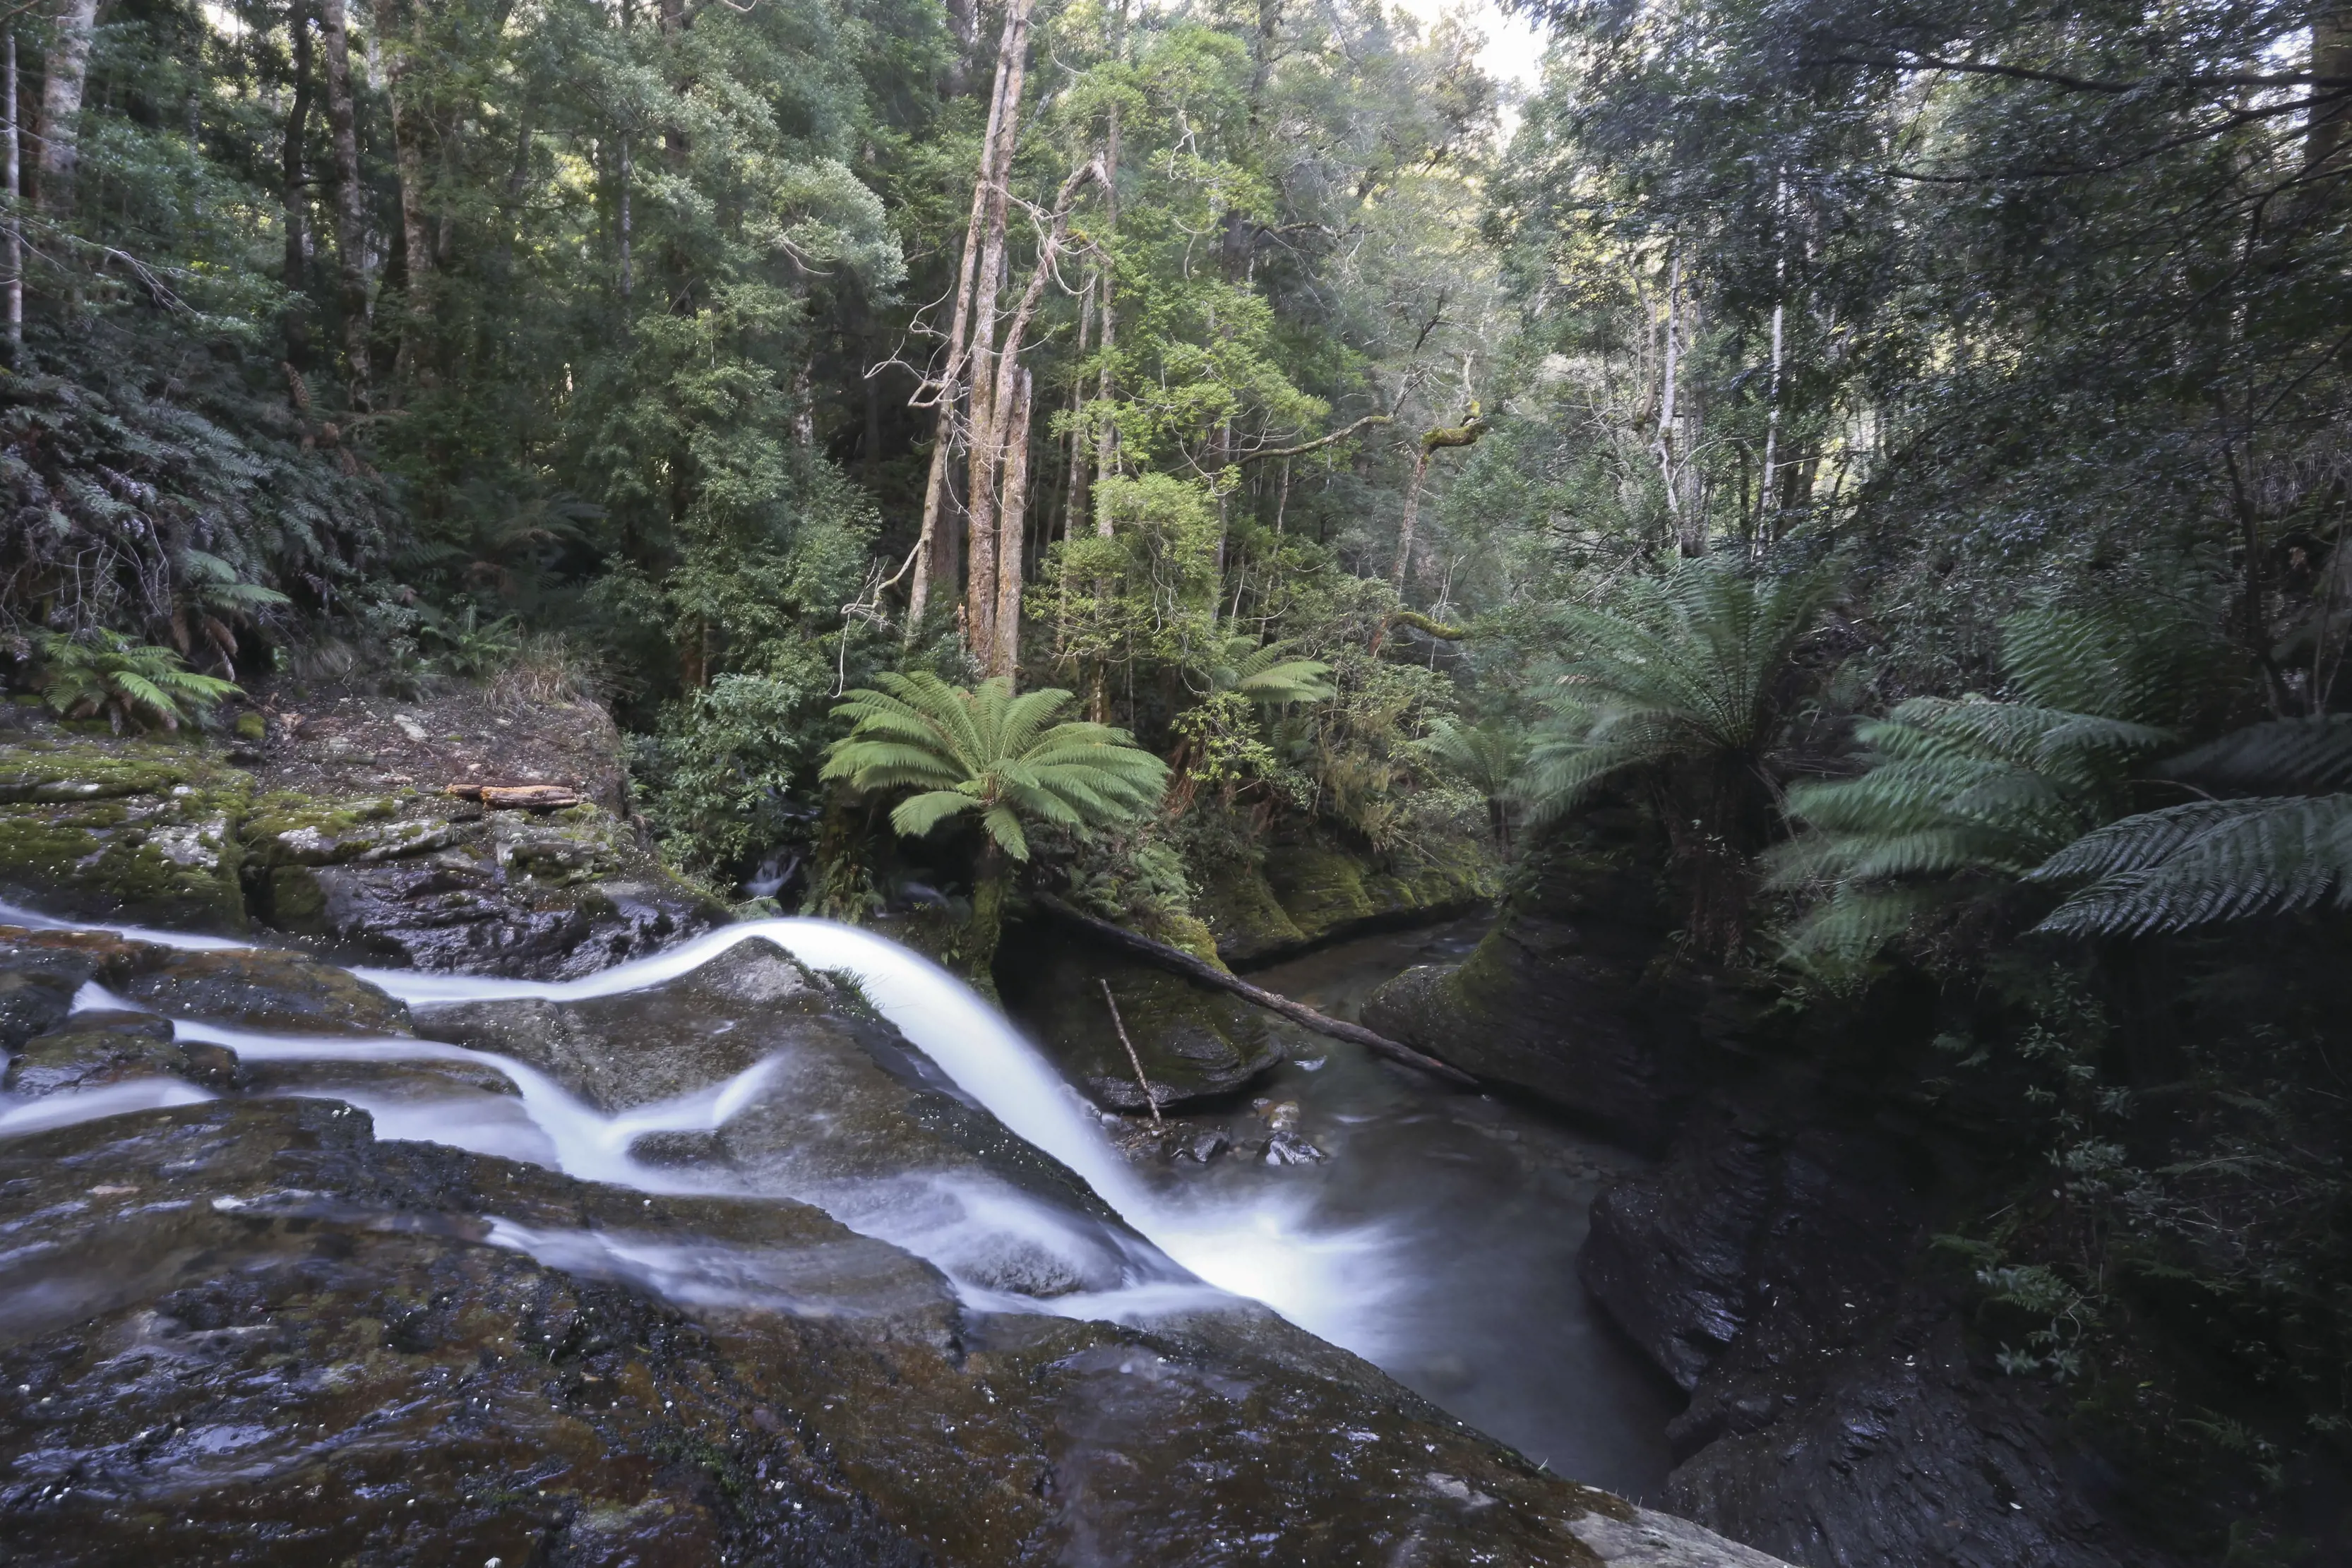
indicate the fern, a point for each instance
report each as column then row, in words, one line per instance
column 2204, row 862
column 1270, row 677
column 2310, row 754
column 1961, row 793
column 106, row 672
column 988, row 751
column 1689, row 666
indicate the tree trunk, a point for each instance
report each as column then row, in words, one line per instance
column 987, row 441
column 416, row 232
column 65, row 73
column 351, row 197
column 1005, row 656
column 935, row 546
column 293, row 196
column 16, row 259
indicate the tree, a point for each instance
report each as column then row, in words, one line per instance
column 1007, row 759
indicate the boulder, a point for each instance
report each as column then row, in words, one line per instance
column 1196, row 1045
column 1562, row 1000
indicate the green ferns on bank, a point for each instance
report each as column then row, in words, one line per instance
column 1963, row 796
column 2212, row 860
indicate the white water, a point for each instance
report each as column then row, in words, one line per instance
column 1332, row 1282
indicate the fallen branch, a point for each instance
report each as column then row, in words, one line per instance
column 1151, row 1095
column 516, row 797
column 1184, row 964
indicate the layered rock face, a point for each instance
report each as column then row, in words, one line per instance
column 249, row 1329
column 1307, row 892
column 1561, row 1001
column 1778, row 1262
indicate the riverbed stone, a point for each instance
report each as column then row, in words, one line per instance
column 263, row 988
column 248, row 1332
column 94, row 1049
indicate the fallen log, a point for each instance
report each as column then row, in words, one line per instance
column 516, row 797
column 1208, row 974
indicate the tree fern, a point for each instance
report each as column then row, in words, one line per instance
column 2206, row 861
column 1683, row 687
column 1688, row 666
column 1958, row 793
column 1007, row 759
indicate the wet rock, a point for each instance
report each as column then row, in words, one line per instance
column 41, row 970
column 261, row 989
column 96, row 1048
column 142, row 830
column 1667, row 1255
column 1838, row 1411
column 460, row 909
column 1560, row 1000
column 1196, row 1045
column 412, row 1080
column 681, row 1151
column 1286, row 1148
column 828, row 1098
column 1202, row 1147
column 246, row 1332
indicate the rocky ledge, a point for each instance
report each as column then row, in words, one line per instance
column 250, row 1329
column 172, row 832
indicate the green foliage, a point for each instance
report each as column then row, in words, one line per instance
column 1959, row 796
column 2214, row 859
column 1695, row 665
column 988, row 751
column 729, row 763
column 106, row 672
column 1271, row 675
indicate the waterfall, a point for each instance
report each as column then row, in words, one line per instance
column 1328, row 1280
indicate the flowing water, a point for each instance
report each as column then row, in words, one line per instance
column 1438, row 1242
column 1479, row 1207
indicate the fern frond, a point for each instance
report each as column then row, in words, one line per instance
column 2309, row 754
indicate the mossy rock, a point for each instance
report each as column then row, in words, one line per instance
column 1195, row 1044
column 169, row 859
column 1242, row 914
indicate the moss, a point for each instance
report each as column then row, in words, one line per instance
column 1321, row 889
column 39, row 770
column 1238, row 906
column 169, row 859
column 252, row 727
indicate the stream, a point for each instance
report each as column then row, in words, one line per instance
column 1438, row 1240
column 1479, row 1207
